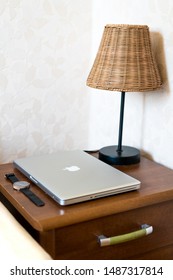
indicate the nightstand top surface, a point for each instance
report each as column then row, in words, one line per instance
column 156, row 186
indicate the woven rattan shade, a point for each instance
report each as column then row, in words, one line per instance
column 124, row 61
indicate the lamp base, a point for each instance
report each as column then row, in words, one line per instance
column 128, row 155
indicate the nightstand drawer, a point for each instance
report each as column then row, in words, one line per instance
column 80, row 241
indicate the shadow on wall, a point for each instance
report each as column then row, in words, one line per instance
column 159, row 54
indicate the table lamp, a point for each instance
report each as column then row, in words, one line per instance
column 124, row 63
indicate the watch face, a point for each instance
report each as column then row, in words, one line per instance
column 20, row 185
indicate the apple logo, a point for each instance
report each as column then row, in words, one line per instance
column 72, row 168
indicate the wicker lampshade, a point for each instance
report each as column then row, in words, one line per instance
column 124, row 61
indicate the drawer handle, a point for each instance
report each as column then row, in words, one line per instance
column 107, row 241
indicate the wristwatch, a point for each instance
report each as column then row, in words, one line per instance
column 23, row 186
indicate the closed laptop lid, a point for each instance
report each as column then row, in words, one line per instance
column 74, row 176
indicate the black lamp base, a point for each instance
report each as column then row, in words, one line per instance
column 128, row 155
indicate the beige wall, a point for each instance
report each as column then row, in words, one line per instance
column 46, row 51
column 44, row 58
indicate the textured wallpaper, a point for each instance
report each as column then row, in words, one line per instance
column 44, row 56
column 47, row 48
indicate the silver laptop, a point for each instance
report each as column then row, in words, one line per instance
column 74, row 176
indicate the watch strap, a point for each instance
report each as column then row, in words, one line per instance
column 12, row 177
column 33, row 197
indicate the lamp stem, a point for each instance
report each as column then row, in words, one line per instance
column 119, row 148
column 118, row 154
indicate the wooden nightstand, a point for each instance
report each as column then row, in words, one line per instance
column 71, row 232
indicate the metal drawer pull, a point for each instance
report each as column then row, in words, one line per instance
column 145, row 230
